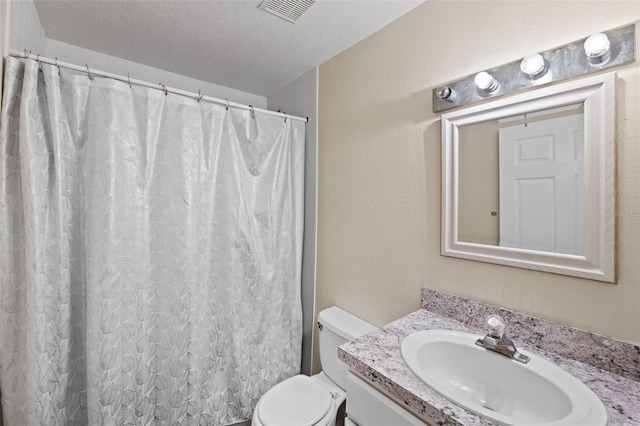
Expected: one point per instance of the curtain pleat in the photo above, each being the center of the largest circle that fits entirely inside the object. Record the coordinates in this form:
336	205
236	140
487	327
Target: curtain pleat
151	252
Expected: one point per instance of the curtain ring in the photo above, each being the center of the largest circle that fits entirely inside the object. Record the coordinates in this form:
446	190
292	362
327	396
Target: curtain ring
253	112
199	96
227	107
129	80
285	116
164	89
26	54
57	66
89	72
39	63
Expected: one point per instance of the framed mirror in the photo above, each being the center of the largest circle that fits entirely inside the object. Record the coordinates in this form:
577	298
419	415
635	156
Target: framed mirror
529	180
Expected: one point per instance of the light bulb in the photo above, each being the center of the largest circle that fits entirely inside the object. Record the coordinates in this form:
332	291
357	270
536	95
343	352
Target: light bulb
533	65
446	93
486	82
598	49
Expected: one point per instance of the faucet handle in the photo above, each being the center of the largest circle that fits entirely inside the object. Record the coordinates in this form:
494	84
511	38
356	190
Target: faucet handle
496	326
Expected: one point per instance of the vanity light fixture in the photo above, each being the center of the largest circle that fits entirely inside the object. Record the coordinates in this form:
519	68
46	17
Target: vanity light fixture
590	54
598	50
446	93
486	82
534	66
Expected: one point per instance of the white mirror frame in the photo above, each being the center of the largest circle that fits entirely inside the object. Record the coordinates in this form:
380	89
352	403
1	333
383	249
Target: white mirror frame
598	95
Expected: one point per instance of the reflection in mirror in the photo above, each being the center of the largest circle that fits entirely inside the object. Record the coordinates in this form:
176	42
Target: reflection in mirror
527	180
521	181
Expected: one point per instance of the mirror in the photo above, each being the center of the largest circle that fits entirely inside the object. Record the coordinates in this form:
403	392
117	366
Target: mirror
528	180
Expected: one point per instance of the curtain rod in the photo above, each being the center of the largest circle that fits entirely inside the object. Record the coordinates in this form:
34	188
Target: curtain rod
91	73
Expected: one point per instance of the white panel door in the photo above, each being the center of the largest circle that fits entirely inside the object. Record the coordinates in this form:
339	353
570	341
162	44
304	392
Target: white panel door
542	185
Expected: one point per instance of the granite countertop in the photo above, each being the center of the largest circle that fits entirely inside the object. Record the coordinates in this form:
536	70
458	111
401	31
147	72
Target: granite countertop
376	357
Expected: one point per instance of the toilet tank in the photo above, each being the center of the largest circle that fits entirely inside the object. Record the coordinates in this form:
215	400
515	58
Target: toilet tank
336	327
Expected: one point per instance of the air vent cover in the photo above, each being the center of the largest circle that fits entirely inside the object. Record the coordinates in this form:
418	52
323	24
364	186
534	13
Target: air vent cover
290	10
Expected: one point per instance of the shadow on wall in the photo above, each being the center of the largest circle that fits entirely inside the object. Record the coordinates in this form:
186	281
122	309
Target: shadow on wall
432	187
420	106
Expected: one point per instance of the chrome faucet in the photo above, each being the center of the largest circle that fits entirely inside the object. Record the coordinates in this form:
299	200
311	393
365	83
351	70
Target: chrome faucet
496	340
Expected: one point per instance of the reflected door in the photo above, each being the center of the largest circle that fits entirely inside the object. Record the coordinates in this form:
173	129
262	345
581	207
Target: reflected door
542	185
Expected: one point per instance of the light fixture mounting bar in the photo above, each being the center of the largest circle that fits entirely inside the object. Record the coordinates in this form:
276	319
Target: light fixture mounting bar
563	63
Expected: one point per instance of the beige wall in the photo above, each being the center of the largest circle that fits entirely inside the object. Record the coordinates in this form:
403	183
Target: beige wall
379	166
478	184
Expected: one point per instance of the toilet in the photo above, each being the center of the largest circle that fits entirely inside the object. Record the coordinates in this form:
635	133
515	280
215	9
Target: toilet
314	401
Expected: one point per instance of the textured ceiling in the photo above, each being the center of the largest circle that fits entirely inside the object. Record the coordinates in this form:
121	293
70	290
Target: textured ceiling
231	43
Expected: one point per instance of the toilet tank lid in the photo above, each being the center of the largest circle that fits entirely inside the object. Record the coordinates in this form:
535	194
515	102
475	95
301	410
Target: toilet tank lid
344	324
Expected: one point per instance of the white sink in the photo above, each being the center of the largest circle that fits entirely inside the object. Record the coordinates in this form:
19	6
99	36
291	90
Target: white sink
503	390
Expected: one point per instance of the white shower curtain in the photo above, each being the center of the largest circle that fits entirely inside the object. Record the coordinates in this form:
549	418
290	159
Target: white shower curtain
150	254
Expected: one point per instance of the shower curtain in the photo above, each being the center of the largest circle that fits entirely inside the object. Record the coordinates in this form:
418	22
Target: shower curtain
150	253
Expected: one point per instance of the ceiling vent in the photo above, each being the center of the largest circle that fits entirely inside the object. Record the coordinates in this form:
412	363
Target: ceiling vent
290	10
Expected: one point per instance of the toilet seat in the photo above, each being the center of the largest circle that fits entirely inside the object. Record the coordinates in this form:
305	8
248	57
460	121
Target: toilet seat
298	401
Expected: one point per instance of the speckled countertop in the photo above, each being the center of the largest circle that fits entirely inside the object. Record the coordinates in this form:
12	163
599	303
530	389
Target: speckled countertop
610	368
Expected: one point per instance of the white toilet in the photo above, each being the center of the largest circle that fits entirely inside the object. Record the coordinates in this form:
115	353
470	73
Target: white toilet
307	401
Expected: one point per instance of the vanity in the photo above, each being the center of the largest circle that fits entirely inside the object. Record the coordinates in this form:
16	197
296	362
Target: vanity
528	181
382	389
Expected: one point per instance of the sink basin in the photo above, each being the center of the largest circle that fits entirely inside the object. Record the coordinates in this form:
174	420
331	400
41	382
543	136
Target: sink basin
500	389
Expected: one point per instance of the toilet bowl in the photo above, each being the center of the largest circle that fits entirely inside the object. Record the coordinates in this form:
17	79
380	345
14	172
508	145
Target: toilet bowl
315	400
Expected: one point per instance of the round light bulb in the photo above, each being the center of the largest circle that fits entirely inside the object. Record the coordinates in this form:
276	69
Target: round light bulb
485	81
533	65
597	45
598	49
